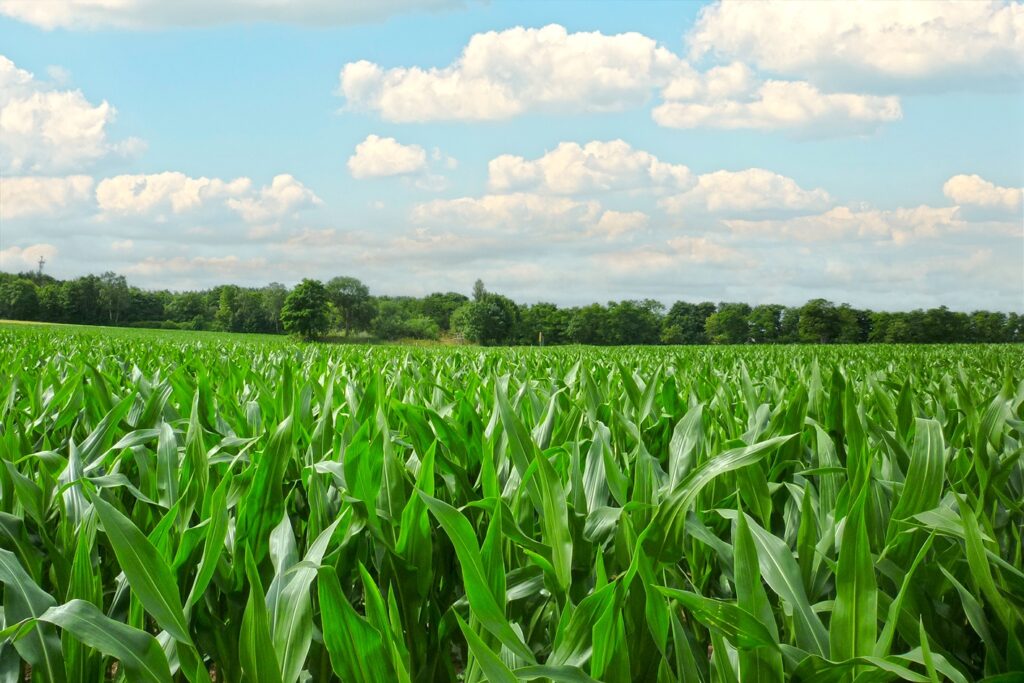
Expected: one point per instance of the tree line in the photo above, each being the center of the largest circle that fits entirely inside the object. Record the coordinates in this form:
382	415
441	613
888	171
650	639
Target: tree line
345	306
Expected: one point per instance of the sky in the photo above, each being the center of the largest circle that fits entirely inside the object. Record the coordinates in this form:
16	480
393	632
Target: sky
869	153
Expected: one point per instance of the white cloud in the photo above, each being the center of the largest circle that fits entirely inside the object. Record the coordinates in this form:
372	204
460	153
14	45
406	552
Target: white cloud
34	195
43	129
220	266
284	195
751	190
503	74
159	192
377	157
19	258
776	105
673	254
615	224
91	14
160	195
594	167
976	191
888	41
519	212
122	245
899	225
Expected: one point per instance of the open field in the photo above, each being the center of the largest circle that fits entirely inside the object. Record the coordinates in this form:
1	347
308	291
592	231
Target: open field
197	506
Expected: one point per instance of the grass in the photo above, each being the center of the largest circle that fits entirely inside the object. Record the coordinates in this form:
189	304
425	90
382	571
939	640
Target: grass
183	506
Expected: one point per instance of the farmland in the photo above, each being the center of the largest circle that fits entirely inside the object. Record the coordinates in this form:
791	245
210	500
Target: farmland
191	506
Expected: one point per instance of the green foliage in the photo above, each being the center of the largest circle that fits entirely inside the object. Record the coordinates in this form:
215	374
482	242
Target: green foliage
213	507
400	319
305	310
490	319
351	299
728	325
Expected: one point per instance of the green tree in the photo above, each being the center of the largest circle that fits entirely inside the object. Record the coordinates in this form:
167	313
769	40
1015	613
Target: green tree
305	310
543	323
400	319
766	324
114	296
491	320
684	323
589	325
224	317
479	291
987	326
19	299
852	326
819	322
440	306
729	324
635	322
274	295
352	300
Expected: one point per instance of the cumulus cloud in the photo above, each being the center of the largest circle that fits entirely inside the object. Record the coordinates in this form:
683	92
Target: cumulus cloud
751	190
613	225
973	190
886	42
377	157
25	196
45	129
160	192
285	195
501	74
899	225
220	266
675	253
775	105
594	167
161	195
20	258
519	212
132	14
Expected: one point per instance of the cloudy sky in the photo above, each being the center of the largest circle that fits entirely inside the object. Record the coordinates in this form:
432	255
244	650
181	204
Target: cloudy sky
562	151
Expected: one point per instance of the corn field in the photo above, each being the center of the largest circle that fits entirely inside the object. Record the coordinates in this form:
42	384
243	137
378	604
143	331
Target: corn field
210	508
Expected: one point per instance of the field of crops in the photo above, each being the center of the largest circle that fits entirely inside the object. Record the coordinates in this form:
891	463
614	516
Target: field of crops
200	507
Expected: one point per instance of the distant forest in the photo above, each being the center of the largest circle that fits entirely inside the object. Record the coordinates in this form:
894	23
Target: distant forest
345	306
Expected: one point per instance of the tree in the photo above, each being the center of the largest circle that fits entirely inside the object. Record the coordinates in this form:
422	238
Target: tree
729	324
852	325
274	295
399	319
305	310
114	296
478	290
766	324
819	322
987	326
352	300
439	307
83	300
19	299
190	308
543	323
491	320
684	323
226	309
589	325
635	322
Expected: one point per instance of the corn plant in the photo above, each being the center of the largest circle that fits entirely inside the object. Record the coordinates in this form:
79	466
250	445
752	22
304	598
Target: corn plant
212	508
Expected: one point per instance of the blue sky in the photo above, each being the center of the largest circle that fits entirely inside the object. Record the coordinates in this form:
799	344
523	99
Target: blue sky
560	151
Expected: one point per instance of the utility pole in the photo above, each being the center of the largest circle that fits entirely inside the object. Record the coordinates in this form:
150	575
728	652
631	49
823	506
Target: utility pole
42	262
